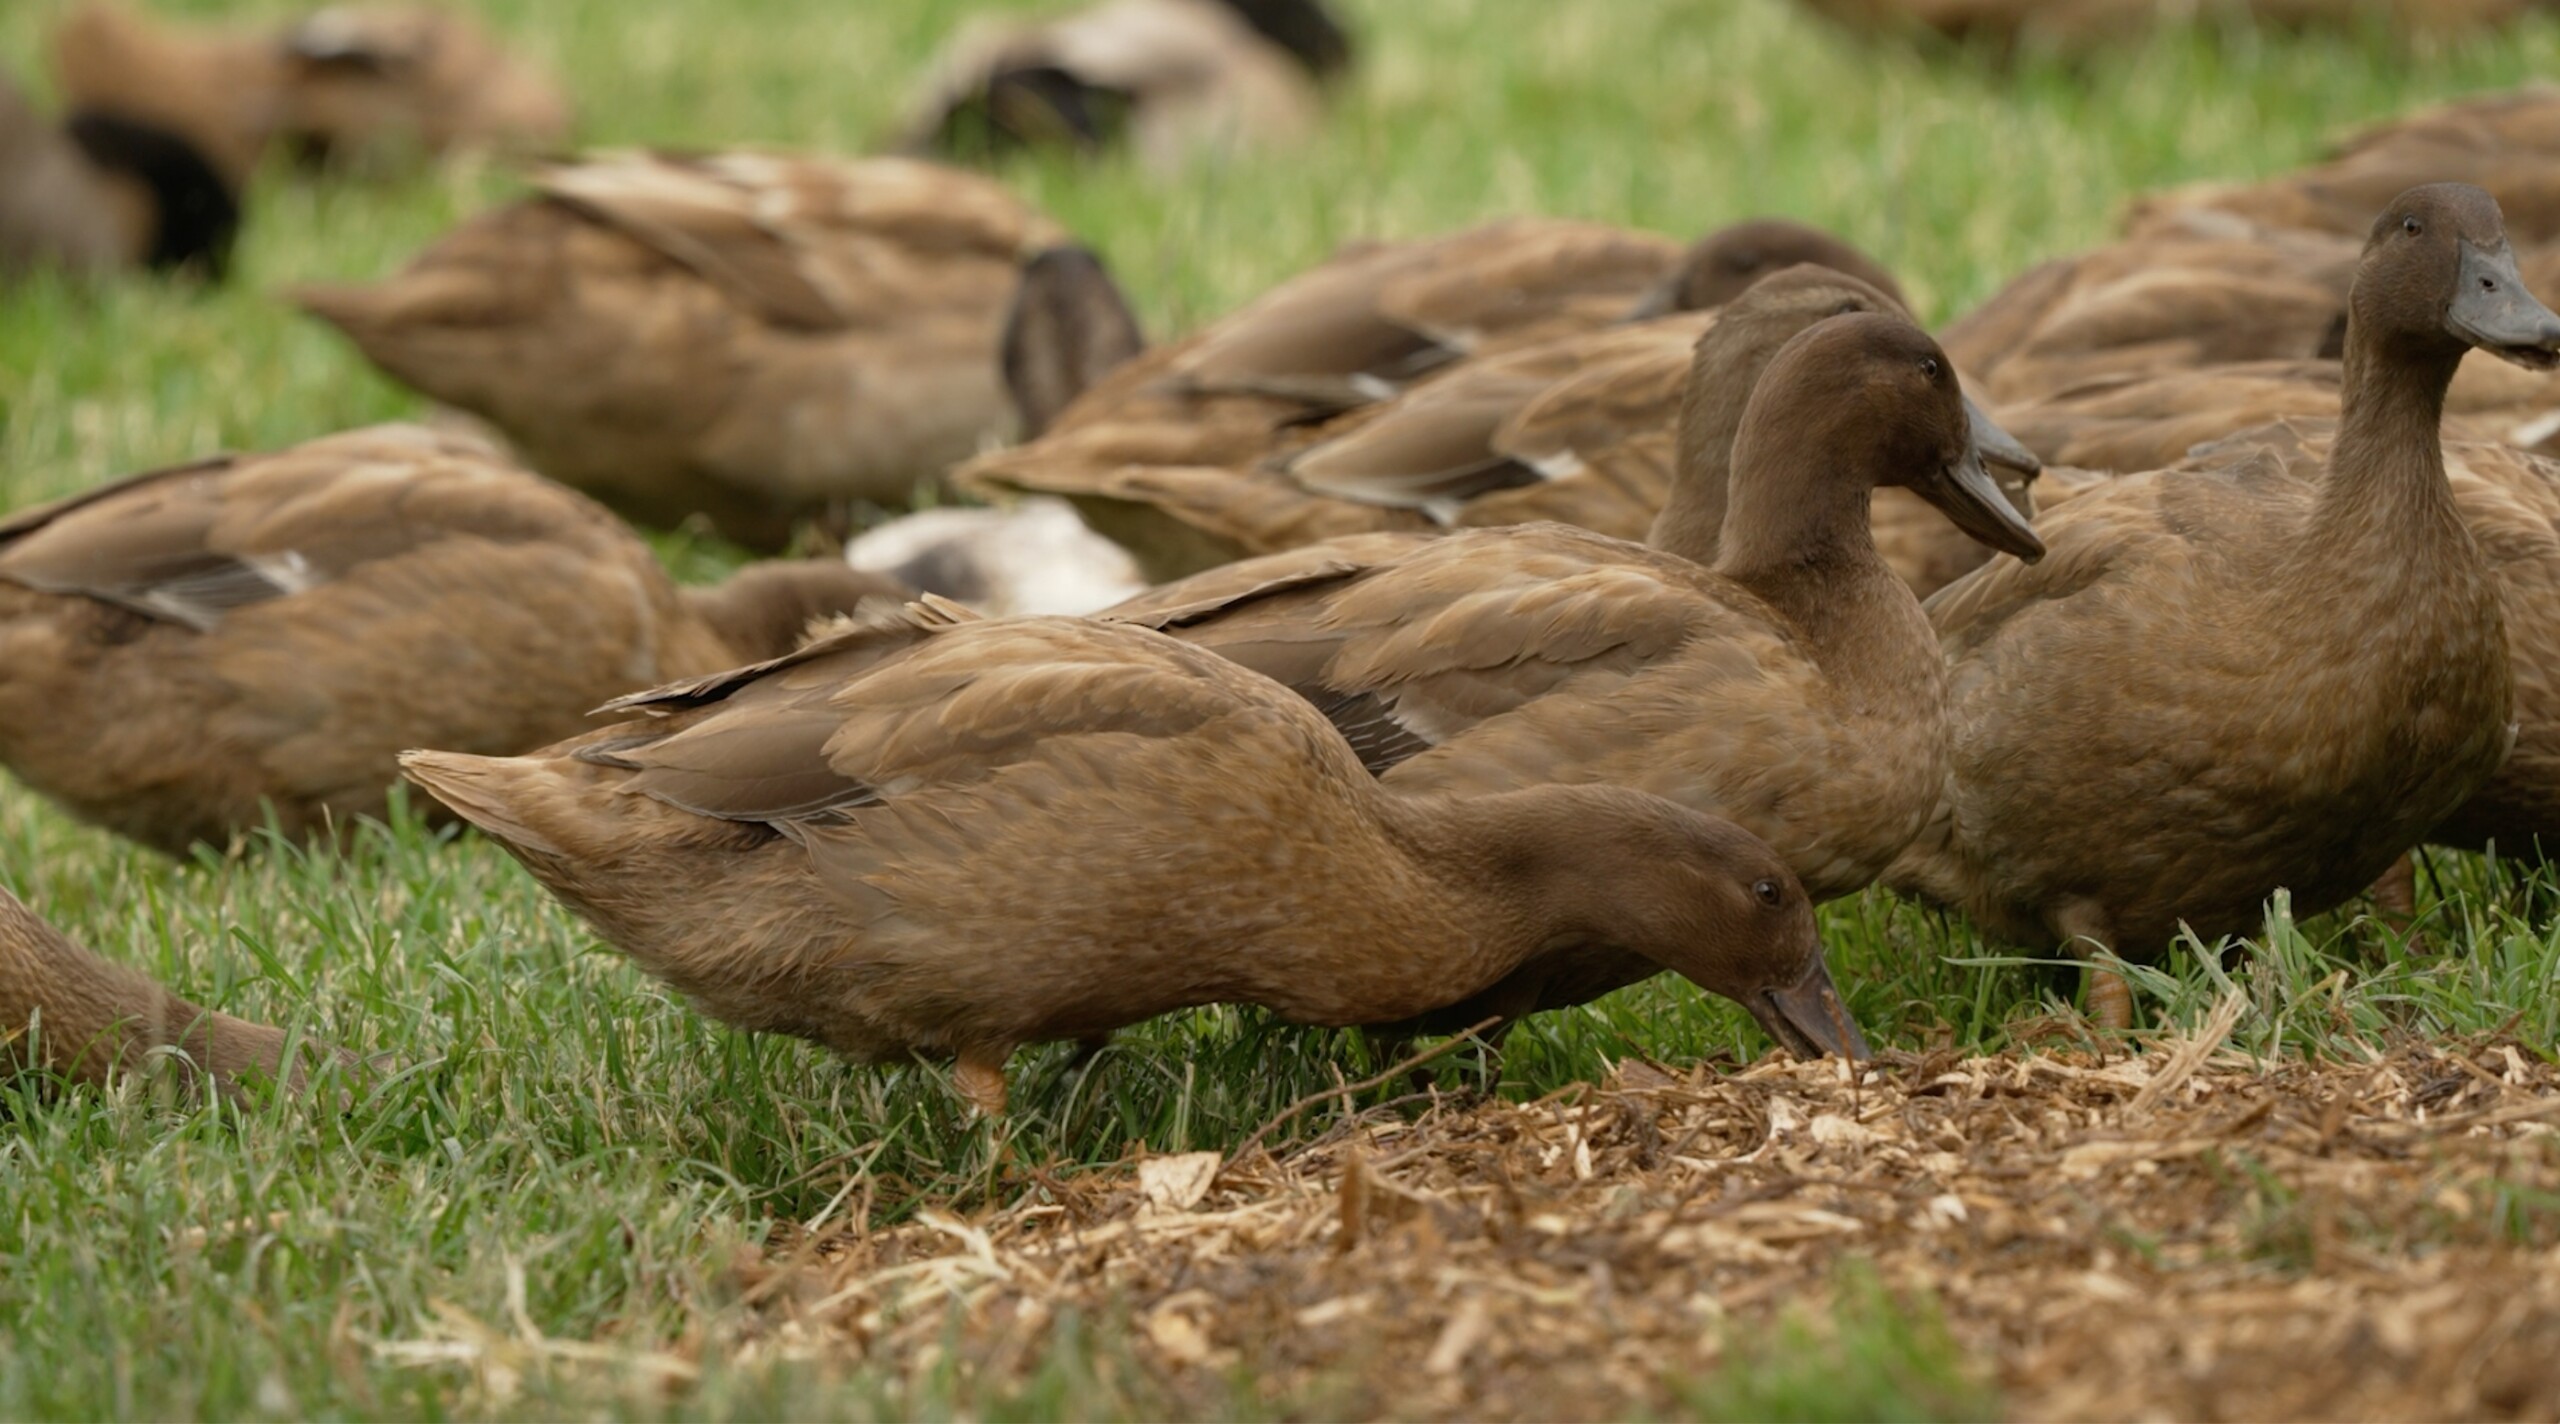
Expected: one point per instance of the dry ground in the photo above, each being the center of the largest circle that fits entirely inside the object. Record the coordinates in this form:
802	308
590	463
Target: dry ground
2174	1235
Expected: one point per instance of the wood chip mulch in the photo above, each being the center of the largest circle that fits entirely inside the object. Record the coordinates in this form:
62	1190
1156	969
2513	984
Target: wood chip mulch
2178	1233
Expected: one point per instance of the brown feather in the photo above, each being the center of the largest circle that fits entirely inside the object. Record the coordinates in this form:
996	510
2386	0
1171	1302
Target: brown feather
177	647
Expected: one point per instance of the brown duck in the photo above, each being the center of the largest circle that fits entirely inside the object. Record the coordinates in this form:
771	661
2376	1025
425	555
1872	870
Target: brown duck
935	835
1585	455
1491	349
2083	28
752	337
1176	80
2508	143
179	649
370	85
2510	501
2156	303
1582	431
2148	416
65	1010
213	87
2225	681
1793	687
101	192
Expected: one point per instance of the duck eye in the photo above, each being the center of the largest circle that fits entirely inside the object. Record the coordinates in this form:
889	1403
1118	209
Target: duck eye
1769	893
1929	367
2412	226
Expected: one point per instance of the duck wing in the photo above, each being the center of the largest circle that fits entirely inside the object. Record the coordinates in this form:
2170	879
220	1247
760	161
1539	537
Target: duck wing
192	543
804	243
1510	422
1410	652
889	707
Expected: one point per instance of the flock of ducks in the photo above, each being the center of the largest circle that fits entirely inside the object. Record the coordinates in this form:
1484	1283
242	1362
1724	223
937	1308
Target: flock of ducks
1479	623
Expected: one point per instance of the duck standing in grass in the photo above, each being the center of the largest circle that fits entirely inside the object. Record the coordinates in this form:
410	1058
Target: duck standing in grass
1793	686
185	649
2224	681
930	834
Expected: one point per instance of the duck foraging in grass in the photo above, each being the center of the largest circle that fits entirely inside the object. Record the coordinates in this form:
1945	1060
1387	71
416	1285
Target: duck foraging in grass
930	834
2230	679
1794	686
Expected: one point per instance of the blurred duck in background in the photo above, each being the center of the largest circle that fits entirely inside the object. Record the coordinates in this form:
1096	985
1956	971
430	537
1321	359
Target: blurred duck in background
160	130
755	338
372	87
98	193
1171	79
2507	143
2079	27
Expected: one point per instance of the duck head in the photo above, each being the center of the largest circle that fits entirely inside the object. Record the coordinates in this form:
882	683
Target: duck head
1732	260
1719	907
1876	397
1705	899
2438	276
1068	326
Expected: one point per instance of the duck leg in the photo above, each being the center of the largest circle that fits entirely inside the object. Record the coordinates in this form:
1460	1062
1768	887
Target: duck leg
2396	893
979	1075
2084	929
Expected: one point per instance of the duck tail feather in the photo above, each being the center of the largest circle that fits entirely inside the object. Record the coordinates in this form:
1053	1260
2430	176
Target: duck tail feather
489	792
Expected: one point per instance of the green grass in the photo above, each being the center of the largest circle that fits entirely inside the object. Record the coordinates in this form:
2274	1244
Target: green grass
1871	1357
558	1118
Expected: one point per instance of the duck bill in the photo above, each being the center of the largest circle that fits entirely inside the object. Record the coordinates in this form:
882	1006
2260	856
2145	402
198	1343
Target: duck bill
1966	493
2013	466
2492	310
1998	448
1809	1020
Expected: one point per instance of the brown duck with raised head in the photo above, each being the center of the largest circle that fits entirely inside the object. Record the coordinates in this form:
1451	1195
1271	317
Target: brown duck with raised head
932	834
1793	687
1539	404
65	1010
751	337
1610	450
181	649
2510	501
2225	681
1587	437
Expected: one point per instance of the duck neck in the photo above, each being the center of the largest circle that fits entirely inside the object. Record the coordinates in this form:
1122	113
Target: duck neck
2386	481
1801	541
1519	871
1691	524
